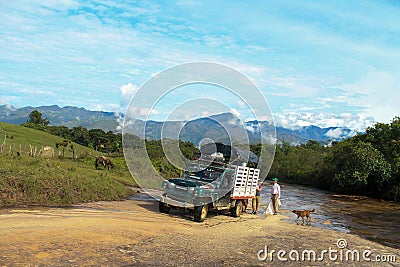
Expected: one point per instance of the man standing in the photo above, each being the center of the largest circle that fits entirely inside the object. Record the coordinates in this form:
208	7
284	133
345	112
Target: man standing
256	200
275	195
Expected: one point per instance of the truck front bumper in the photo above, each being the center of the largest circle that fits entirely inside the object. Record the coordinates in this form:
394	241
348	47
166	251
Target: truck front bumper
172	202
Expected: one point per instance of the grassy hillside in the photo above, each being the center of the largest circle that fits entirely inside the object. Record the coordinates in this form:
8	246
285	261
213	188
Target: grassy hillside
54	181
21	137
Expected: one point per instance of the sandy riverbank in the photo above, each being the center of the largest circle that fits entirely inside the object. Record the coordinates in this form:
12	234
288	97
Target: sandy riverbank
134	233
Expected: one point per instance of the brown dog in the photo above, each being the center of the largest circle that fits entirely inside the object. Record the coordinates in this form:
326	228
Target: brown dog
302	214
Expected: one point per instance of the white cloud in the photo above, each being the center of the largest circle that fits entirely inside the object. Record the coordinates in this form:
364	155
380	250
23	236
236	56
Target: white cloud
269	139
134	112
5	103
355	122
379	92
105	107
294	86
335	133
235	112
203	113
131	73
148	112
241	104
219	41
250	128
339	133
235	122
127	91
60	4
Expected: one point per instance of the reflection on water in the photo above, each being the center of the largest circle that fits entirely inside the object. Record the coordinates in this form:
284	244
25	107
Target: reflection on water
373	219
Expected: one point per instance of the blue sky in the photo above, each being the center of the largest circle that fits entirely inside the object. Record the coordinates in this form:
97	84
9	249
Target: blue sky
327	63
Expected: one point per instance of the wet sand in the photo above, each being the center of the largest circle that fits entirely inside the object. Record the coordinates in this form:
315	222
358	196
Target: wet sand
134	233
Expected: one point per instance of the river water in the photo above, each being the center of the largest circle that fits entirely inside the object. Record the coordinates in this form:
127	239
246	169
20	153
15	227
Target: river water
373	219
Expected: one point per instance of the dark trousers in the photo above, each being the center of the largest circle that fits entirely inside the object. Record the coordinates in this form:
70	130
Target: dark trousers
274	199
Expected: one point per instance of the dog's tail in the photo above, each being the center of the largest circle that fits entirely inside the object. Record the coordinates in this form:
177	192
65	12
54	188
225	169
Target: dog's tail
313	210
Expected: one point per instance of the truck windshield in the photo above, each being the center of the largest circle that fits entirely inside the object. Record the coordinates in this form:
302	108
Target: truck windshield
206	173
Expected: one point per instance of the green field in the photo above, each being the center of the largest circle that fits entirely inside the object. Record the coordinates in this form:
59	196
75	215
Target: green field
46	180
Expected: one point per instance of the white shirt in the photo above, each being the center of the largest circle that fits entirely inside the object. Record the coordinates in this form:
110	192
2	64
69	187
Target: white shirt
276	190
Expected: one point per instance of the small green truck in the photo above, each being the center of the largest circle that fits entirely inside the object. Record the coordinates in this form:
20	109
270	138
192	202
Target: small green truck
210	184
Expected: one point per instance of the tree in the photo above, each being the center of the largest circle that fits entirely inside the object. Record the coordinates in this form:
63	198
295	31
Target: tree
63	144
35	117
98	138
62	131
357	167
312	144
72	149
385	138
36	121
80	135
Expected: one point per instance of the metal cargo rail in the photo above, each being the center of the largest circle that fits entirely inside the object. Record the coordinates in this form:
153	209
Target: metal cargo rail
246	180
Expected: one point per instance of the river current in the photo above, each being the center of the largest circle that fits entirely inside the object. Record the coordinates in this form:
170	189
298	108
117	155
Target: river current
374	219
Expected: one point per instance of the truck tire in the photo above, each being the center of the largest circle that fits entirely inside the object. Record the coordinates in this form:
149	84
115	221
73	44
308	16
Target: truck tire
200	213
163	207
237	210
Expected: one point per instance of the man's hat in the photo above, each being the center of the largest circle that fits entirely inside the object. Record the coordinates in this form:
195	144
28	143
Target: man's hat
275	179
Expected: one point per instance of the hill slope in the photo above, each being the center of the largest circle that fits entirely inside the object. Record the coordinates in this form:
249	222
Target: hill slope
18	136
26	180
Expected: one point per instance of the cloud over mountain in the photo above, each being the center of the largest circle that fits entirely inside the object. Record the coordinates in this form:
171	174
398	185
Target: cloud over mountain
355	122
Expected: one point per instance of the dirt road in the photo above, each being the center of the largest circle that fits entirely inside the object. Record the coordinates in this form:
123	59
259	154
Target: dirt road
134	233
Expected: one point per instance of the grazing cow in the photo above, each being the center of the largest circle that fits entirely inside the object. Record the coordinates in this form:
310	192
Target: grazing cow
106	162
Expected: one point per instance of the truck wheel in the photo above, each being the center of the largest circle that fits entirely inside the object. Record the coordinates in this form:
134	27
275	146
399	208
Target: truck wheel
163	207
237	210
200	213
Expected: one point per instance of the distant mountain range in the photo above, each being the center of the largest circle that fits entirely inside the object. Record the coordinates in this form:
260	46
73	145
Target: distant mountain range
67	116
215	127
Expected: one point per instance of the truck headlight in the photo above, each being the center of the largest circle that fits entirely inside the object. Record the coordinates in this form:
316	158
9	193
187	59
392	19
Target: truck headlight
198	192
171	185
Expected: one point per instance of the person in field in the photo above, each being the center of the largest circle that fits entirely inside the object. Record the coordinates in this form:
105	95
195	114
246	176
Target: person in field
257	199
275	195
